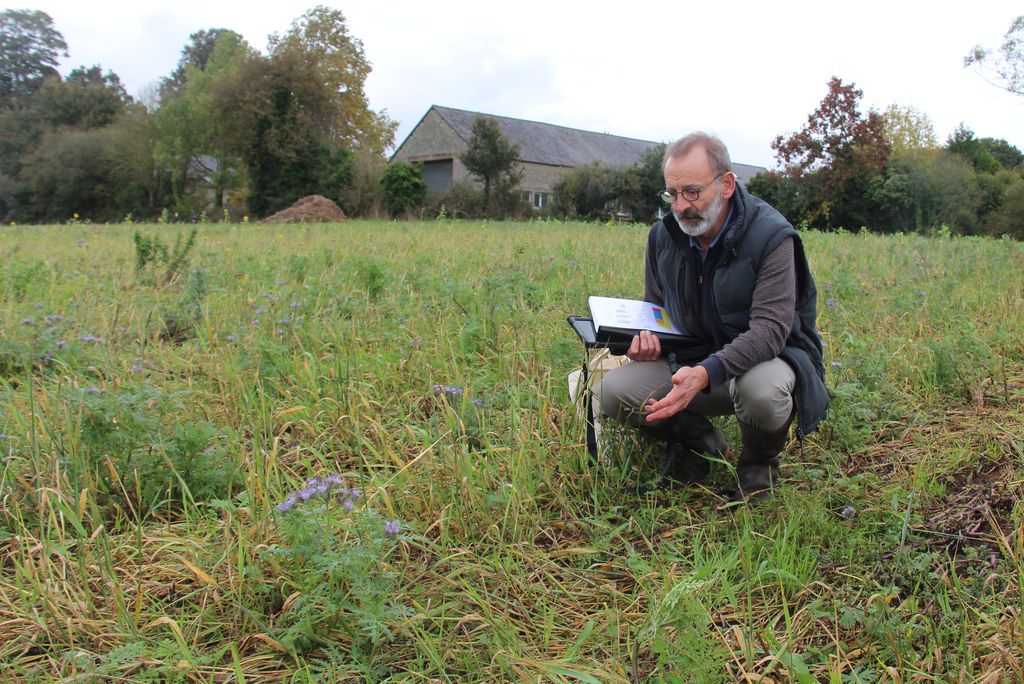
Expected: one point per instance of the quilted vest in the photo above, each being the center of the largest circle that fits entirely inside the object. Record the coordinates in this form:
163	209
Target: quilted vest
755	230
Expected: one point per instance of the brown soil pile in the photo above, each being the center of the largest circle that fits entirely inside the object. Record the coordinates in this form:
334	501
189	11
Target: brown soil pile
309	209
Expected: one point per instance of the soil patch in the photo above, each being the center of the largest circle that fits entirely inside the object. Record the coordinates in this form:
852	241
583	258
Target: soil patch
309	209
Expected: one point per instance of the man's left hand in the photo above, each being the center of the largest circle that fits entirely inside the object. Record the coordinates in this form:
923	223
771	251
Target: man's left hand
686	383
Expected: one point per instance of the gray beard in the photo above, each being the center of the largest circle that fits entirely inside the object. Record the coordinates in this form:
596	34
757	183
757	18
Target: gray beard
705	221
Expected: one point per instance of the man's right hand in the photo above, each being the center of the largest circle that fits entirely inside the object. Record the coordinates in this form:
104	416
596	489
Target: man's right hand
645	347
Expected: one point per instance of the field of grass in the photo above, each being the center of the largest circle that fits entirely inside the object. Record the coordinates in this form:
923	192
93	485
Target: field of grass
346	453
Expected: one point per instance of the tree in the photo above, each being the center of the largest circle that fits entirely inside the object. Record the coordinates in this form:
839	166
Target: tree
364	193
404	187
641	184
840	152
491	158
68	175
1006	64
195	54
1009	156
337	109
30	50
962	142
304	111
908	129
587	191
201	139
88	98
1009	218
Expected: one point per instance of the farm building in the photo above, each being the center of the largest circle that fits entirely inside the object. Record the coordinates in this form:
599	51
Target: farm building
547	151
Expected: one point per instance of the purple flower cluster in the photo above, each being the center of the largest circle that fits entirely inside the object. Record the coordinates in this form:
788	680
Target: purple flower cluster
317	487
90	338
392	527
450	390
831	303
455	393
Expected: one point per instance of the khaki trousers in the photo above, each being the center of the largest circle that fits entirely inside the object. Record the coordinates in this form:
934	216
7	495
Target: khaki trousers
762	397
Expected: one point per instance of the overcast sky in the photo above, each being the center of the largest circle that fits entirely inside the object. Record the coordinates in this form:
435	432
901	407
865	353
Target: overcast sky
747	71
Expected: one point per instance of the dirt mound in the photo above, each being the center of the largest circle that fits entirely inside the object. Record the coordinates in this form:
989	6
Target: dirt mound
309	209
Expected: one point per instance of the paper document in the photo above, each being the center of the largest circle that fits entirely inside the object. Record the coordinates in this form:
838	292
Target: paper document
630	314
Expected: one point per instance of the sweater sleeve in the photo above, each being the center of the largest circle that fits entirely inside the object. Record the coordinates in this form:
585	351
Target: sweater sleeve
772	311
652	288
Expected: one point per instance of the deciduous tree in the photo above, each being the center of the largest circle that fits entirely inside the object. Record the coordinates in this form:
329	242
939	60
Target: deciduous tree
491	158
839	150
30	50
907	129
1003	66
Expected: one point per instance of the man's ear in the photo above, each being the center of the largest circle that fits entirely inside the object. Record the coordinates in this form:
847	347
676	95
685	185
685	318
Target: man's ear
728	184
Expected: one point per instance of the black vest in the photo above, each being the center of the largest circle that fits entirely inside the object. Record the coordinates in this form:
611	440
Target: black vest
755	230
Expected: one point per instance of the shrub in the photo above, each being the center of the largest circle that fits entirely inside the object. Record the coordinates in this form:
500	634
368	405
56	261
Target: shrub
404	187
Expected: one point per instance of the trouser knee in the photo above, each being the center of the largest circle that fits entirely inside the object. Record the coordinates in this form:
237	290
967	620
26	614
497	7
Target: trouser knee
763	396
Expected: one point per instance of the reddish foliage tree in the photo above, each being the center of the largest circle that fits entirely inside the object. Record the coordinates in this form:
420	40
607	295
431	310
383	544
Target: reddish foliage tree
837	153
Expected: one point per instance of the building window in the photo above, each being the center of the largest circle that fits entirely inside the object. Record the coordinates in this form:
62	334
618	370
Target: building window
526	196
541	199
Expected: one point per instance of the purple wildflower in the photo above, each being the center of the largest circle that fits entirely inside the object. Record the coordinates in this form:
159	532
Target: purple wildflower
39	305
284	321
260	311
348	504
450	390
230	338
3	436
328	310
837	364
28	320
293	305
392	527
53	318
831	303
137	368
280	281
89	338
61	343
314	487
478	402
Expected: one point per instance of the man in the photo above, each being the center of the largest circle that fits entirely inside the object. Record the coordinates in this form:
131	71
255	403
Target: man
732	273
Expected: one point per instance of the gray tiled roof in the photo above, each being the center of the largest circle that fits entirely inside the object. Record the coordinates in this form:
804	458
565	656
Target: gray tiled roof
543	143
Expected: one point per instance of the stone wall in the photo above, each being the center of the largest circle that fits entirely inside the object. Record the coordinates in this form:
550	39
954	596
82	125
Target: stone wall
434	139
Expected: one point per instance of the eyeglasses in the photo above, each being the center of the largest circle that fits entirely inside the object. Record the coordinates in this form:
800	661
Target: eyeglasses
689	194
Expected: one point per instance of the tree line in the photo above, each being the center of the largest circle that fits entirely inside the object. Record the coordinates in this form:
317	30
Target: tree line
231	130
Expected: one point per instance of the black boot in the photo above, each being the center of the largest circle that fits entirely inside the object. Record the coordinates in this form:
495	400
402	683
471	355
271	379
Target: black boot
688	436
758	464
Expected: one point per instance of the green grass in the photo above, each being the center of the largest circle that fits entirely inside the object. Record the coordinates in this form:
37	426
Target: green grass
150	429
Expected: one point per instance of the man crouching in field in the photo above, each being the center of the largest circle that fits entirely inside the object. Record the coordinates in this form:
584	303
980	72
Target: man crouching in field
731	271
